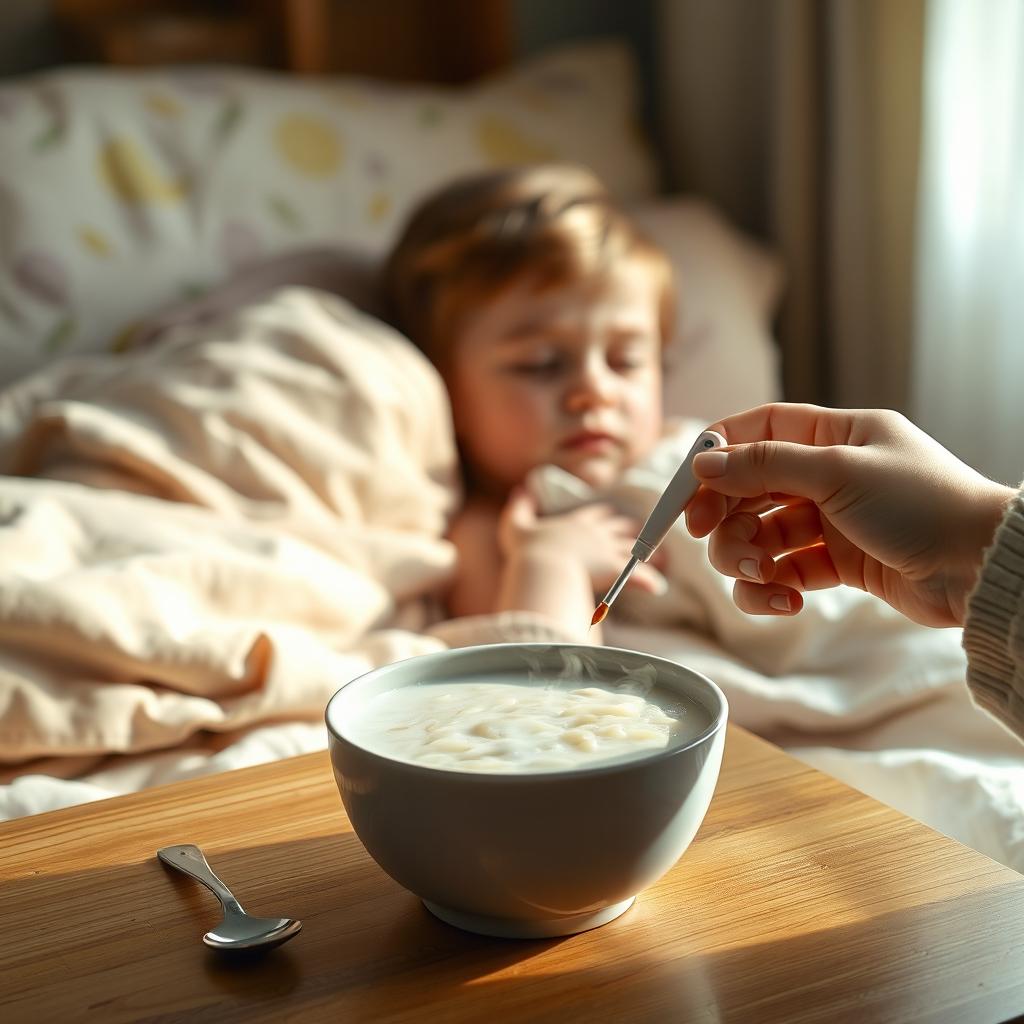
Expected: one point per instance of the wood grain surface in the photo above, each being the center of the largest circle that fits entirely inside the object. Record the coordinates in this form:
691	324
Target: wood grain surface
799	900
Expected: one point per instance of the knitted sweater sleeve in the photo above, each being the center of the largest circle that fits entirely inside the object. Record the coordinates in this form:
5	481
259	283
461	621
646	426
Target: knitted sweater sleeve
994	630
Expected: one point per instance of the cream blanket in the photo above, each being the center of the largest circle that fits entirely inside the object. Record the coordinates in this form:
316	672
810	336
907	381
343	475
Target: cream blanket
200	542
213	535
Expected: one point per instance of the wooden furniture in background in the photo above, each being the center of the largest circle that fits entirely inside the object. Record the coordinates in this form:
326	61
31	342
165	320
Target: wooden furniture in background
800	900
138	33
424	40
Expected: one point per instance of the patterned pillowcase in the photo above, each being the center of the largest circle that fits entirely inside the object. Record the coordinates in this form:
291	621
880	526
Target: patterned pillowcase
123	191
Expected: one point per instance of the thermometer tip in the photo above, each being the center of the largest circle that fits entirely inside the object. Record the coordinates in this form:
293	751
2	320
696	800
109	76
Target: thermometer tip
600	612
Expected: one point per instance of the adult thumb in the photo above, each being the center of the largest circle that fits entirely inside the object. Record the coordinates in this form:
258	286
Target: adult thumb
775	467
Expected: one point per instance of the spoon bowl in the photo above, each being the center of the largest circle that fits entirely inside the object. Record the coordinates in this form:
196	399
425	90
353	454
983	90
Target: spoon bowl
237	929
247	932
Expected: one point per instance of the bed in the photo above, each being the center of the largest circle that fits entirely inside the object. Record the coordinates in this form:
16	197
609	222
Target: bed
225	481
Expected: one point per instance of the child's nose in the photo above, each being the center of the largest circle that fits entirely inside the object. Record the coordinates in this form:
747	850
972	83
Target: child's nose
594	385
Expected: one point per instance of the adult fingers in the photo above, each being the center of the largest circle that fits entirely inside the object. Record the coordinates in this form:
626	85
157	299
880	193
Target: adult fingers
810	568
771	599
746	545
807	569
792	421
708	508
764	468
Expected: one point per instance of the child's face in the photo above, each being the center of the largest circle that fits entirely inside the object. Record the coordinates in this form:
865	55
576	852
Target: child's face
569	376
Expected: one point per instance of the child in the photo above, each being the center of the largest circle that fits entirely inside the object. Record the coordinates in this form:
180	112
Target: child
546	312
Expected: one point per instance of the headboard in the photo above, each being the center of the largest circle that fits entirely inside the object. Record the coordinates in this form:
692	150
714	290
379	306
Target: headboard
410	40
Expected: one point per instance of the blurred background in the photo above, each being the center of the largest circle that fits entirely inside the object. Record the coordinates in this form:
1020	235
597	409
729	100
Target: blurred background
876	147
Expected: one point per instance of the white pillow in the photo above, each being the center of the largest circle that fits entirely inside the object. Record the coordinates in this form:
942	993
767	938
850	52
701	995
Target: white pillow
723	358
121	191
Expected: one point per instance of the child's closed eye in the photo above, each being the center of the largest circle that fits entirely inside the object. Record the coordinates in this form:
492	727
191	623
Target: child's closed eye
540	365
638	357
635	362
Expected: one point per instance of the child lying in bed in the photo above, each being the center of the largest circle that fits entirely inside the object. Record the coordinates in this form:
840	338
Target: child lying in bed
545	311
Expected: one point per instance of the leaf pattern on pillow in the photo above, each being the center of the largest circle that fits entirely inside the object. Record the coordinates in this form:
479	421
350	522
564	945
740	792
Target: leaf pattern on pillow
95	241
309	145
228	120
43	276
380	206
285	212
163	105
128	171
126	338
501	142
52	135
62	333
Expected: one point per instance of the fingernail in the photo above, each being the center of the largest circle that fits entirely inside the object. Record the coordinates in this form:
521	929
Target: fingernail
749	568
711	463
660	586
780	602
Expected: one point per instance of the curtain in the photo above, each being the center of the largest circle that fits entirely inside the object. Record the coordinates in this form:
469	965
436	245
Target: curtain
801	120
968	380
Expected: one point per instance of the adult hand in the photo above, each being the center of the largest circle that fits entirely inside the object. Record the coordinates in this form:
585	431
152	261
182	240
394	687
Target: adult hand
805	497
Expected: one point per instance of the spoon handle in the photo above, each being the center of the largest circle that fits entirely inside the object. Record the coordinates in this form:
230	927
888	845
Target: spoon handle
189	860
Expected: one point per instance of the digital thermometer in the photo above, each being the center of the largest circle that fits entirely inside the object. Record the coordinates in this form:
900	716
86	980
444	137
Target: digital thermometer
668	509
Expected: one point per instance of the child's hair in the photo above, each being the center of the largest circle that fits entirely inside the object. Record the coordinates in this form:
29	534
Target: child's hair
550	224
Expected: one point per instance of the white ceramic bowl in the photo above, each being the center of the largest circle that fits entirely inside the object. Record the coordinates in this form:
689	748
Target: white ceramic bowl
537	854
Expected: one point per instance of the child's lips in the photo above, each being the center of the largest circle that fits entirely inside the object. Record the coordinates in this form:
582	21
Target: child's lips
590	441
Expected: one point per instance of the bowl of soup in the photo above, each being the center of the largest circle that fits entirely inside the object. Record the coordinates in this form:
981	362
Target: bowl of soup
527	790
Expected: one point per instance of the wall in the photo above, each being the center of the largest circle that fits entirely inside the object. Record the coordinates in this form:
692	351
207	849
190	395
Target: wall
714	63
540	24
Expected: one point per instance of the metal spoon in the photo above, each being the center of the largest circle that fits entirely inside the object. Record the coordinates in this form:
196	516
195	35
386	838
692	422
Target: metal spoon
237	930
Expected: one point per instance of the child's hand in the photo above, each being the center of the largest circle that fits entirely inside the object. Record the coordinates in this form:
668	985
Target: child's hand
595	536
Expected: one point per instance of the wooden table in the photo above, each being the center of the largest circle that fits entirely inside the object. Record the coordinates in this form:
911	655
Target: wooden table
800	900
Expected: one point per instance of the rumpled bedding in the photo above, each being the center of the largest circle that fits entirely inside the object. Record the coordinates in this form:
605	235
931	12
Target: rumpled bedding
202	540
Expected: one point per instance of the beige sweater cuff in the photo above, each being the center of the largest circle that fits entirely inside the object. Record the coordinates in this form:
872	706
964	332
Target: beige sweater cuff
994	630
